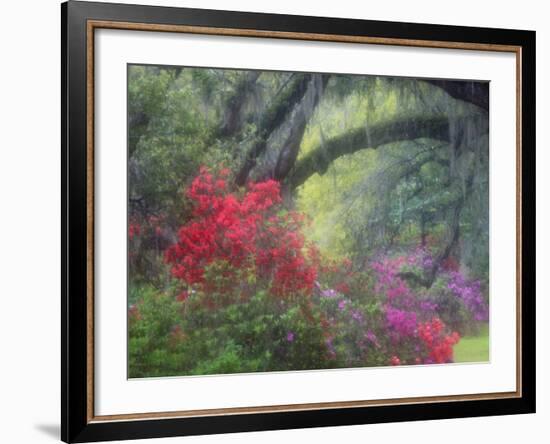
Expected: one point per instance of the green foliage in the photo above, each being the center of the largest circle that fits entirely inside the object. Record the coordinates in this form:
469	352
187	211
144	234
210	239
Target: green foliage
152	319
174	338
171	125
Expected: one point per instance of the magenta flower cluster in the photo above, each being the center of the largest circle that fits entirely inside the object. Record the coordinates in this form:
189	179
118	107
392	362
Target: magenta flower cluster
409	323
470	294
401	321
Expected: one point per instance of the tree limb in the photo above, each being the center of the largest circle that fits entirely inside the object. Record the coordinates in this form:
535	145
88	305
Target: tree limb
476	93
233	118
271	120
319	159
289	153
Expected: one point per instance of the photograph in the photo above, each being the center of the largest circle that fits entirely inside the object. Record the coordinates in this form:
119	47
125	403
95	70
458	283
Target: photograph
289	221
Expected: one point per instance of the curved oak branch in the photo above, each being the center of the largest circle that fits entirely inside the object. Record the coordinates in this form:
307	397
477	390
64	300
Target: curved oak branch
438	128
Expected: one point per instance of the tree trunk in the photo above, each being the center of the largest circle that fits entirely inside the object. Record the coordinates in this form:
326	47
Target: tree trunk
274	116
233	116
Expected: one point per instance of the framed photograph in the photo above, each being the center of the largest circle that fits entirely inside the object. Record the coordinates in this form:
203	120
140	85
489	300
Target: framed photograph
276	221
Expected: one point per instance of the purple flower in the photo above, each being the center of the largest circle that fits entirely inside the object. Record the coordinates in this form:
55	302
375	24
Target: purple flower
342	304
329	293
470	294
290	336
357	316
372	338
402	322
427	261
330	347
428	306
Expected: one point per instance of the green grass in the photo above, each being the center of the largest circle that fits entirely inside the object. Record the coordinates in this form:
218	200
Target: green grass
473	348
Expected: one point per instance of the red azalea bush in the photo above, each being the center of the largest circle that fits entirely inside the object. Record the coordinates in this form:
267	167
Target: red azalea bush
438	344
250	233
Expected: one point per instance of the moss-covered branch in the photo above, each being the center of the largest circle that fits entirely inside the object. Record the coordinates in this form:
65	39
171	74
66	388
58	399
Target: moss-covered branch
476	93
233	115
319	159
273	117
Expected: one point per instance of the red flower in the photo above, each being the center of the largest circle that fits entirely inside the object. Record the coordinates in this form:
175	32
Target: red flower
395	360
440	346
133	313
182	296
134	230
247	232
450	264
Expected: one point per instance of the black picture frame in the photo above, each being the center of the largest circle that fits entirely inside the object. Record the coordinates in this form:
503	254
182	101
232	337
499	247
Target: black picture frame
76	423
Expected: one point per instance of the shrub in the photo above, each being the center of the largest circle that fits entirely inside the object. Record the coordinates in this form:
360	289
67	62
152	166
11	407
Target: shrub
248	234
248	293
